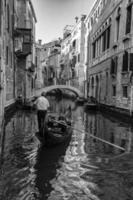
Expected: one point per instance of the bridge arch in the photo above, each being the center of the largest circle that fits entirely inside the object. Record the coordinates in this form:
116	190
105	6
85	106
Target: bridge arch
67	87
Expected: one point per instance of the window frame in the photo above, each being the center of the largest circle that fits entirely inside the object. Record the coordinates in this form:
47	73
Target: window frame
126	91
114	90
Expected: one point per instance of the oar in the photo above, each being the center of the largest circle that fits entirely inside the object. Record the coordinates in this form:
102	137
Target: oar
105	141
97	138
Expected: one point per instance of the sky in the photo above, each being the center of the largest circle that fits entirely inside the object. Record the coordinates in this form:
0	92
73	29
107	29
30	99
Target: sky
54	15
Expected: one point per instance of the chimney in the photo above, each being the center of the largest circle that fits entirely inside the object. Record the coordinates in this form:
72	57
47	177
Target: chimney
40	42
83	17
76	18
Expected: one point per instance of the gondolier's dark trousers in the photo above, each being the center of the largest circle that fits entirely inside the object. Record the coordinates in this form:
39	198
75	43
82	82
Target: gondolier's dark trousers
41	115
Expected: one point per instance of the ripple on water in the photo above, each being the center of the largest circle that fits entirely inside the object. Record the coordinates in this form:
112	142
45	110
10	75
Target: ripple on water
83	169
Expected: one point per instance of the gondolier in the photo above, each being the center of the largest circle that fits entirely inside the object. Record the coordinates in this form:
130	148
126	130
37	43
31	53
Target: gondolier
42	105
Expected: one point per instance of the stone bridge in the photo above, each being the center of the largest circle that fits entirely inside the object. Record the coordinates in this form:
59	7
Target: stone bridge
66	87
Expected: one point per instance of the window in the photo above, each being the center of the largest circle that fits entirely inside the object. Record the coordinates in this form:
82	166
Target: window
118	23
91	21
11	55
129	19
114	63
73	73
7	55
125	61
125	91
32	83
79	57
114	90
74	44
0	15
117	27
8	18
74	61
94	50
104	41
112	71
36	60
131	62
27	38
108	37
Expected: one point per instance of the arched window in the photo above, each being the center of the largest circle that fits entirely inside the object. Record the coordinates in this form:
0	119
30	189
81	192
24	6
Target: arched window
125	61
118	23
129	17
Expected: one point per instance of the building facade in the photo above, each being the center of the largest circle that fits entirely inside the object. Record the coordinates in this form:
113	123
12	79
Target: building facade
39	66
51	62
72	54
2	60
24	47
7	57
109	53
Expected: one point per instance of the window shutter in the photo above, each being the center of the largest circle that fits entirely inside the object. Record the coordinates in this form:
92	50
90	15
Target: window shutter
129	17
116	63
94	49
74	61
131	62
108	37
125	61
112	66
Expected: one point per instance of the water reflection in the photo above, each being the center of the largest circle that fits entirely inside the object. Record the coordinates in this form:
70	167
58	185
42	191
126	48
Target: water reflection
47	164
68	183
84	168
109	130
18	155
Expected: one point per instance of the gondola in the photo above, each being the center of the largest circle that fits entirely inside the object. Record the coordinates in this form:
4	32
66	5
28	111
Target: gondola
91	104
57	130
80	100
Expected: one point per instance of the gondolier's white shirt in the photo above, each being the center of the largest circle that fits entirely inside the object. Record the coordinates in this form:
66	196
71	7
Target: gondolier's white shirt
42	103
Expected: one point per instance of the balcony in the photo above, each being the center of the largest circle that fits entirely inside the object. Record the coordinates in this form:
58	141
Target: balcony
23	42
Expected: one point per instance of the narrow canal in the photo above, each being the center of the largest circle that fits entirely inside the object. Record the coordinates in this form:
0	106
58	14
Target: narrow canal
84	169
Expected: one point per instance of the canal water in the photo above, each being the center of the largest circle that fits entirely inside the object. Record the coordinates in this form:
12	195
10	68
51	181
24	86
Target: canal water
83	169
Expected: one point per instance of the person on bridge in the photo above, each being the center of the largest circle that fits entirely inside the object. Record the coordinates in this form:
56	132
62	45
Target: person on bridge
42	105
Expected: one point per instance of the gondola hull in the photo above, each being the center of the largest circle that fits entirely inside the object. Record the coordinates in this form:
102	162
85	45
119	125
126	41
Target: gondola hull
53	138
91	106
55	135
